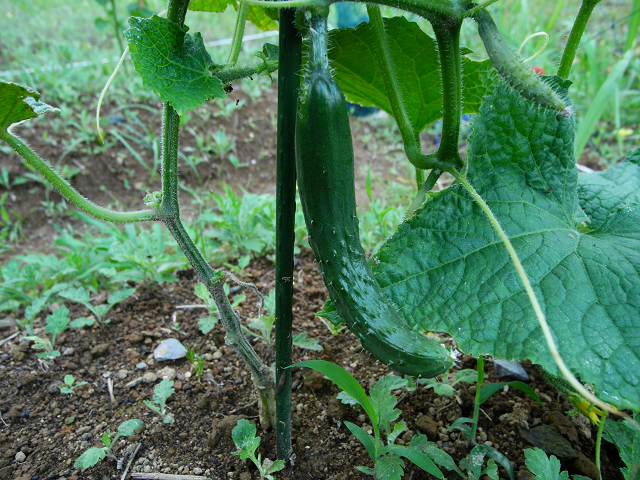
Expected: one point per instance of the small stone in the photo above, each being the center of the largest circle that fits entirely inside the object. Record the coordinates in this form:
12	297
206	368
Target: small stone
106	374
100	349
135	382
68	351
217	354
505	368
167	372
53	388
20	457
583	466
149	377
314	380
197	471
170	349
141	366
177	385
548	439
122	374
428	426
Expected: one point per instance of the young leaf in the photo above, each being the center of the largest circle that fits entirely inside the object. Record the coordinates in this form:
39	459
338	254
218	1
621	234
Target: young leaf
163	391
120	295
58	321
389	467
384	403
626	438
18	103
431	450
529	179
244	436
89	458
417	457
82	322
206	324
128	427
78	295
300	340
345	381
490	388
367	440
545	468
172	63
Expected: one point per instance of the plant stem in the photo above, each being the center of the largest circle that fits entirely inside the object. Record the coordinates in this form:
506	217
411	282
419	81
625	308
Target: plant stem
599	443
410	138
566	373
71	193
114	17
170	214
573	42
447	32
241	20
476	404
290	48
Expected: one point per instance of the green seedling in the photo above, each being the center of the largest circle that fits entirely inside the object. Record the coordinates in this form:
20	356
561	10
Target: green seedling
445	386
93	455
206	324
244	436
379	405
161	393
30	313
80	295
69	387
57	323
547	468
468	426
197	361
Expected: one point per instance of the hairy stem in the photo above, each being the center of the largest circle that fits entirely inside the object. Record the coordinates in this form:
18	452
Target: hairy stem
241	20
71	193
573	42
170	214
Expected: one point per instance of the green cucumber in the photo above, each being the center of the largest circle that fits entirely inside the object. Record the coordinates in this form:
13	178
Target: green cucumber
517	75
325	169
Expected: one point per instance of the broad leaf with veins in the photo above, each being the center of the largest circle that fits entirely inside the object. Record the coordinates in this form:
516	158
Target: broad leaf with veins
578	239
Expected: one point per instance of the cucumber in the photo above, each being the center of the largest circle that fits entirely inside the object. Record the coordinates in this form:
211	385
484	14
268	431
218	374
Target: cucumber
325	169
517	75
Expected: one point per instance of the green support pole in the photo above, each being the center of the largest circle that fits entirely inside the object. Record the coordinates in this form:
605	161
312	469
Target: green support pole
288	83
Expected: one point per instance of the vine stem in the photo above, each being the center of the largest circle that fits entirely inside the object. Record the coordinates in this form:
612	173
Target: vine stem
566	373
71	193
476	403
238	33
410	138
599	443
573	42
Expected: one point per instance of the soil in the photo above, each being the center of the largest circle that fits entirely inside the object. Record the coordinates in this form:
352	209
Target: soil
43	431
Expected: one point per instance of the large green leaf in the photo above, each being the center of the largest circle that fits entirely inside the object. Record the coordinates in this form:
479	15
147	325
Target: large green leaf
263	18
446	268
172	63
416	61
18	103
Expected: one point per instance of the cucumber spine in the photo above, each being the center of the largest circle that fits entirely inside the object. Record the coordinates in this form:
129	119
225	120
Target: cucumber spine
325	169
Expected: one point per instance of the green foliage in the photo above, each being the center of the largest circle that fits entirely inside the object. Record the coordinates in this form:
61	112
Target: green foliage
244	437
161	394
69	387
93	455
445	386
57	323
415	55
380	407
571	250
544	467
80	295
626	437
197	361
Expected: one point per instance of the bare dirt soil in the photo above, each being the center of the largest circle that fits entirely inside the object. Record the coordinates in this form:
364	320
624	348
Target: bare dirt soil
43	431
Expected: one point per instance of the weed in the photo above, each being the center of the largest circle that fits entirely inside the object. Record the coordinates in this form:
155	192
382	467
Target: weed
93	455
68	388
244	436
160	396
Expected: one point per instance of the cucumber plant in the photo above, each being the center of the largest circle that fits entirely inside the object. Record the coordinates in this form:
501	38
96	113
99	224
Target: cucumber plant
521	258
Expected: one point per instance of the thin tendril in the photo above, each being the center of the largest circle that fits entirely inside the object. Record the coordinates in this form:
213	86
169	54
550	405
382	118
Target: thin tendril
534	35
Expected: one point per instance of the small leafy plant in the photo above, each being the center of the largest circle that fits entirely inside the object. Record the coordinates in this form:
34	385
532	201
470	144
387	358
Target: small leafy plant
57	323
93	455
80	295
380	407
69	387
546	468
197	361
244	436
161	394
